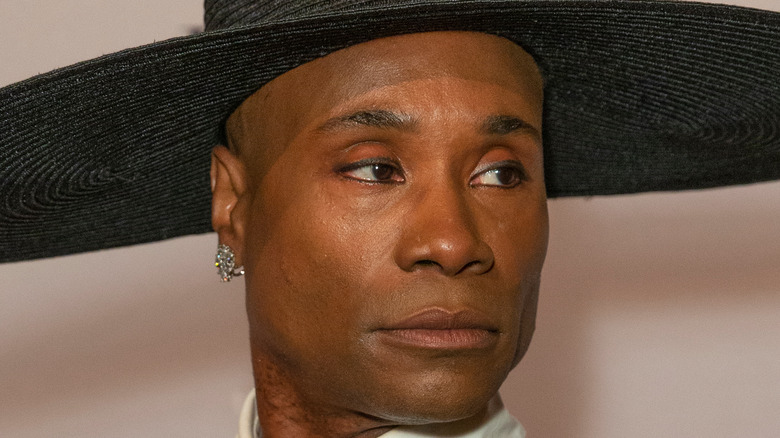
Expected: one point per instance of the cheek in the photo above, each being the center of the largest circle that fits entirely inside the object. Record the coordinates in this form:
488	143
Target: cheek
314	270
519	240
528	252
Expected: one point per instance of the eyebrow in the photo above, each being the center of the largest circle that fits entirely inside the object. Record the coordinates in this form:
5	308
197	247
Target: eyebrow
371	118
385	119
505	125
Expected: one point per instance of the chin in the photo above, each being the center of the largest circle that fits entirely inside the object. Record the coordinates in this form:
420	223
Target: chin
441	399
437	410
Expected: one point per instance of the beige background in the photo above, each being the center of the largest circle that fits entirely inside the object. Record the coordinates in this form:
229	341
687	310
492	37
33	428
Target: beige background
659	316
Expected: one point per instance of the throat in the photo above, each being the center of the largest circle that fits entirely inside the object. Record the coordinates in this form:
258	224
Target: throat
283	412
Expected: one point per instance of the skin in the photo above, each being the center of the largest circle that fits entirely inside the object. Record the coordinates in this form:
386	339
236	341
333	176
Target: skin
393	177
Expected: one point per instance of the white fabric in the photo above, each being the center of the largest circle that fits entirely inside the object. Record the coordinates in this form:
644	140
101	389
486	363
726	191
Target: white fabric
500	424
248	423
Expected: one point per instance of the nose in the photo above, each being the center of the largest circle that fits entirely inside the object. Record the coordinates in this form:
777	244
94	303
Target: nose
440	233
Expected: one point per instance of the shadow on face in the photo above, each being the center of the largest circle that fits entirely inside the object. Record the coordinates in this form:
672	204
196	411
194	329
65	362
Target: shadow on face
388	203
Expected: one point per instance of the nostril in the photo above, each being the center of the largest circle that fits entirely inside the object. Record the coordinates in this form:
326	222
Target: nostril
468	265
478	266
426	263
474	265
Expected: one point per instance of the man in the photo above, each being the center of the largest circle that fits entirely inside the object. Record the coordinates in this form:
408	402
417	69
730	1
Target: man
392	219
520	171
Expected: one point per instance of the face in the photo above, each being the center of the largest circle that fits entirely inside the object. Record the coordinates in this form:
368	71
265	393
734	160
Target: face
388	204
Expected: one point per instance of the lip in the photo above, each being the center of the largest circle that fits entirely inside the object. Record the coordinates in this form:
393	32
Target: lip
440	329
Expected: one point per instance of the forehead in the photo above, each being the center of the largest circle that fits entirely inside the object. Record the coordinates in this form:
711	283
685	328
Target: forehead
467	55
310	92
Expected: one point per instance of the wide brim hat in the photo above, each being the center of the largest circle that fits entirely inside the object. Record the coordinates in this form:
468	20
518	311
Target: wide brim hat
639	96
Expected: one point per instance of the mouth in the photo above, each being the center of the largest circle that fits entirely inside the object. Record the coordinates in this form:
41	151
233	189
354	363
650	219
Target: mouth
440	329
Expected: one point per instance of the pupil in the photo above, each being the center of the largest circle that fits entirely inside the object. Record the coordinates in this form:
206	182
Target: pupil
505	176
382	171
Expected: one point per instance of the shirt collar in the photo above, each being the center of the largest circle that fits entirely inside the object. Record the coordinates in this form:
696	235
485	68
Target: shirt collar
499	423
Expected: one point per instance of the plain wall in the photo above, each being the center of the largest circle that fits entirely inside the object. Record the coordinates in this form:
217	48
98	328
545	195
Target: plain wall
659	313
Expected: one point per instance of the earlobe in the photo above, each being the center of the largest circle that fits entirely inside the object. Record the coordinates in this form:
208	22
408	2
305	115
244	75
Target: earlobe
228	199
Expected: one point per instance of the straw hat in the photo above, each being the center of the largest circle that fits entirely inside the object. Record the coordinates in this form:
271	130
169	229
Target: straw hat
640	96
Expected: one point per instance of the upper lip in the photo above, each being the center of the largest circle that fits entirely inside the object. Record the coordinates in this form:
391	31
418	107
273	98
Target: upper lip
441	319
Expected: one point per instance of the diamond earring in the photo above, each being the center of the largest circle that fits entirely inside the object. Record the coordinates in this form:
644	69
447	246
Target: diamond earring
226	263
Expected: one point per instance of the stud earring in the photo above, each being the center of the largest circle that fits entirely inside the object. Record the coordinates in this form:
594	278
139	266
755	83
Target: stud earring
226	263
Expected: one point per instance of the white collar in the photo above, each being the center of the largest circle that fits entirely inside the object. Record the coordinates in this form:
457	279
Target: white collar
500	424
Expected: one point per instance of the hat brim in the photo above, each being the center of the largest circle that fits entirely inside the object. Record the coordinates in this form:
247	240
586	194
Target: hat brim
640	96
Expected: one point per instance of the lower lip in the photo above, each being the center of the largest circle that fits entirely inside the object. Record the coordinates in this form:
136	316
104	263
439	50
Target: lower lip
445	339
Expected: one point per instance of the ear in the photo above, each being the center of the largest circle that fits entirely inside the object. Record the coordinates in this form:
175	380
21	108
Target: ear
229	199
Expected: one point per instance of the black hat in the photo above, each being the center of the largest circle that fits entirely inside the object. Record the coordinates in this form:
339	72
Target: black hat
640	96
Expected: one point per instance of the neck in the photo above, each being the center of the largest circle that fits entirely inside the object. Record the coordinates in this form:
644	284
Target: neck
284	412
286	407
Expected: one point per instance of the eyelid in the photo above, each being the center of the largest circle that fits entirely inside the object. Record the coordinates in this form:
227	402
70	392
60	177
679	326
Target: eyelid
515	164
367	162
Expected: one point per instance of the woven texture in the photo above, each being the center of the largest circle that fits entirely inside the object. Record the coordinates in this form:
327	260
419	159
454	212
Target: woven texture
640	96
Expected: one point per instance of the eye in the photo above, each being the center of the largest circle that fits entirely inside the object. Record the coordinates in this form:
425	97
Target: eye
373	170
504	174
